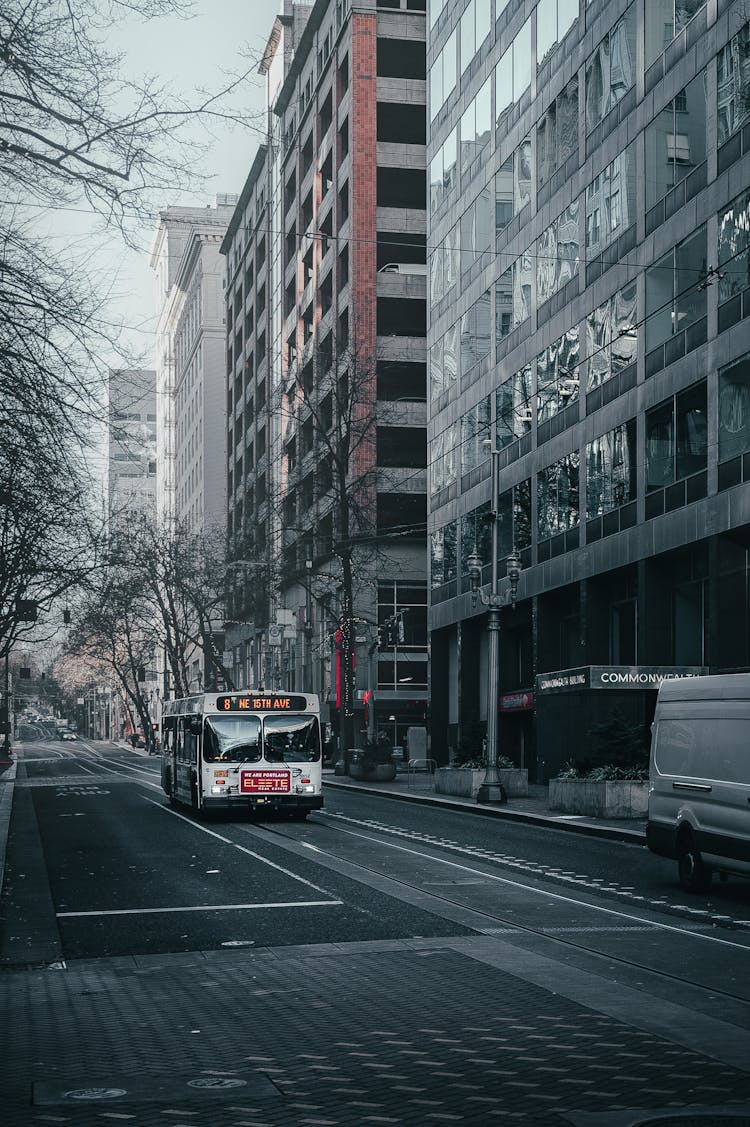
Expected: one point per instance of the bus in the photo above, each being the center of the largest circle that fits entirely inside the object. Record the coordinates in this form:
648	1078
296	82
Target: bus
252	750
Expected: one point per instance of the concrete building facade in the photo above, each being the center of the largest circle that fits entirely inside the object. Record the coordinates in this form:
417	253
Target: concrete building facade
326	289
131	444
588	322
190	341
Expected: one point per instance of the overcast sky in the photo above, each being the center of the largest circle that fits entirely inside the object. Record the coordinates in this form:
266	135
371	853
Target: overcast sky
188	54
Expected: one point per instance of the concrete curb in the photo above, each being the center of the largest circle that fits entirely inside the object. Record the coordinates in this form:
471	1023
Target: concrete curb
613	833
7	786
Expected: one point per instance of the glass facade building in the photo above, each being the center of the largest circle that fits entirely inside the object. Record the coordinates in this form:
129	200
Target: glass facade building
610	142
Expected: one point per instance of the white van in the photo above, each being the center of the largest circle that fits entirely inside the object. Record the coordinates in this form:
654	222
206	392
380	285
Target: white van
699	779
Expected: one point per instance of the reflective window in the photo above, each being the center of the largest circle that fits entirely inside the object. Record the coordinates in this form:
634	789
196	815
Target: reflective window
513	185
513	72
554	19
675	299
475	435
444	363
475	333
558	251
476	24
733	84
513	407
436	7
443	76
523	282
504	305
734	247
676	140
610	72
557	496
610	202
676	437
443	554
443	172
557	379
444	266
664	20
443	459
611	470
476	535
476	126
477	228
612	336
734	408
557	133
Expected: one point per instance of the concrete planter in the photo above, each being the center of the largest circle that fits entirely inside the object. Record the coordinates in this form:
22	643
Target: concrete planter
464	782
614	799
377	773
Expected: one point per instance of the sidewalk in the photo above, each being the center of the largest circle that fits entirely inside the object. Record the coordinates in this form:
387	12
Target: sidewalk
418	786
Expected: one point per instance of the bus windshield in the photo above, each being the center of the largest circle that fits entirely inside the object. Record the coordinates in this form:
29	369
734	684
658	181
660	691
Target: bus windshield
291	739
232	739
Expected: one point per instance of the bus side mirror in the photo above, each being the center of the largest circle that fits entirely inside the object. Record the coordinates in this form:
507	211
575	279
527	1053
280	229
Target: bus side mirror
195	726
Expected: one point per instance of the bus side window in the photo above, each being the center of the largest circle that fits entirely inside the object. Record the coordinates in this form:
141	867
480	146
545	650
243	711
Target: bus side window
168	736
181	739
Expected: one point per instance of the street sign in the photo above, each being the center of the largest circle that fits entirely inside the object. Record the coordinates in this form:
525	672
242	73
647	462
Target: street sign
275	634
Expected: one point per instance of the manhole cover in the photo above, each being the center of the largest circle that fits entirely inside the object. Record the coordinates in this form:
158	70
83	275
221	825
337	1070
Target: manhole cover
95	1093
216	1082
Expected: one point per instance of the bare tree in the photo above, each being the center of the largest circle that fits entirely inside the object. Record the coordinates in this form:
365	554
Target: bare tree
339	411
181	576
74	133
114	629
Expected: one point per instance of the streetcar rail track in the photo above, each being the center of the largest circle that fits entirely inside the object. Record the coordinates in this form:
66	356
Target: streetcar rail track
562	936
554	935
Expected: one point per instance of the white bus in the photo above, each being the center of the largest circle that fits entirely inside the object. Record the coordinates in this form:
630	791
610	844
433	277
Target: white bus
251	750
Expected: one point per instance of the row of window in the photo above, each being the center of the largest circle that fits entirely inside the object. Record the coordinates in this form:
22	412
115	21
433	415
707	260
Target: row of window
610	70
676	448
675	141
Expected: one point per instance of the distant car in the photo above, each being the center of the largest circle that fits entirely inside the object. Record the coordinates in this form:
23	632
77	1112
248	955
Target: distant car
69	736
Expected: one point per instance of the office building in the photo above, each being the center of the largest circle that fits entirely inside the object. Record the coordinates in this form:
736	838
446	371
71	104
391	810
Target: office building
131	445
588	238
326	306
190	340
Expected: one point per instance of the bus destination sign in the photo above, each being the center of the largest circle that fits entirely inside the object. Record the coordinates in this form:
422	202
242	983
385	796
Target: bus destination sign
261	702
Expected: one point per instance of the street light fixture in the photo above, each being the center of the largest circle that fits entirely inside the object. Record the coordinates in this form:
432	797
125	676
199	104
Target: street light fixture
491	789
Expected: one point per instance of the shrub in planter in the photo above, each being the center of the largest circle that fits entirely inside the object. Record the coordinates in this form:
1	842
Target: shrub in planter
374	761
464	777
608	791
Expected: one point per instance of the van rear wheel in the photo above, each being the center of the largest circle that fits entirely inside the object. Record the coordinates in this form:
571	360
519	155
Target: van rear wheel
694	875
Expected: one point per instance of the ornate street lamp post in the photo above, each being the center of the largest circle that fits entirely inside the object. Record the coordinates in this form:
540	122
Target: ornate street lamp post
491	789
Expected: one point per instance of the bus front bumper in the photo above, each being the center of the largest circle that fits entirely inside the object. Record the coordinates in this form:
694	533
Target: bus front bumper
271	803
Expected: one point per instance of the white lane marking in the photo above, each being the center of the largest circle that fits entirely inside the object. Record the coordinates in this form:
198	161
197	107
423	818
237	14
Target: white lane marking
242	848
207	908
567	876
545	892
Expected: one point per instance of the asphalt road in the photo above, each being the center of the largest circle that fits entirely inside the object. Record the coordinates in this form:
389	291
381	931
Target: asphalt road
384	962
